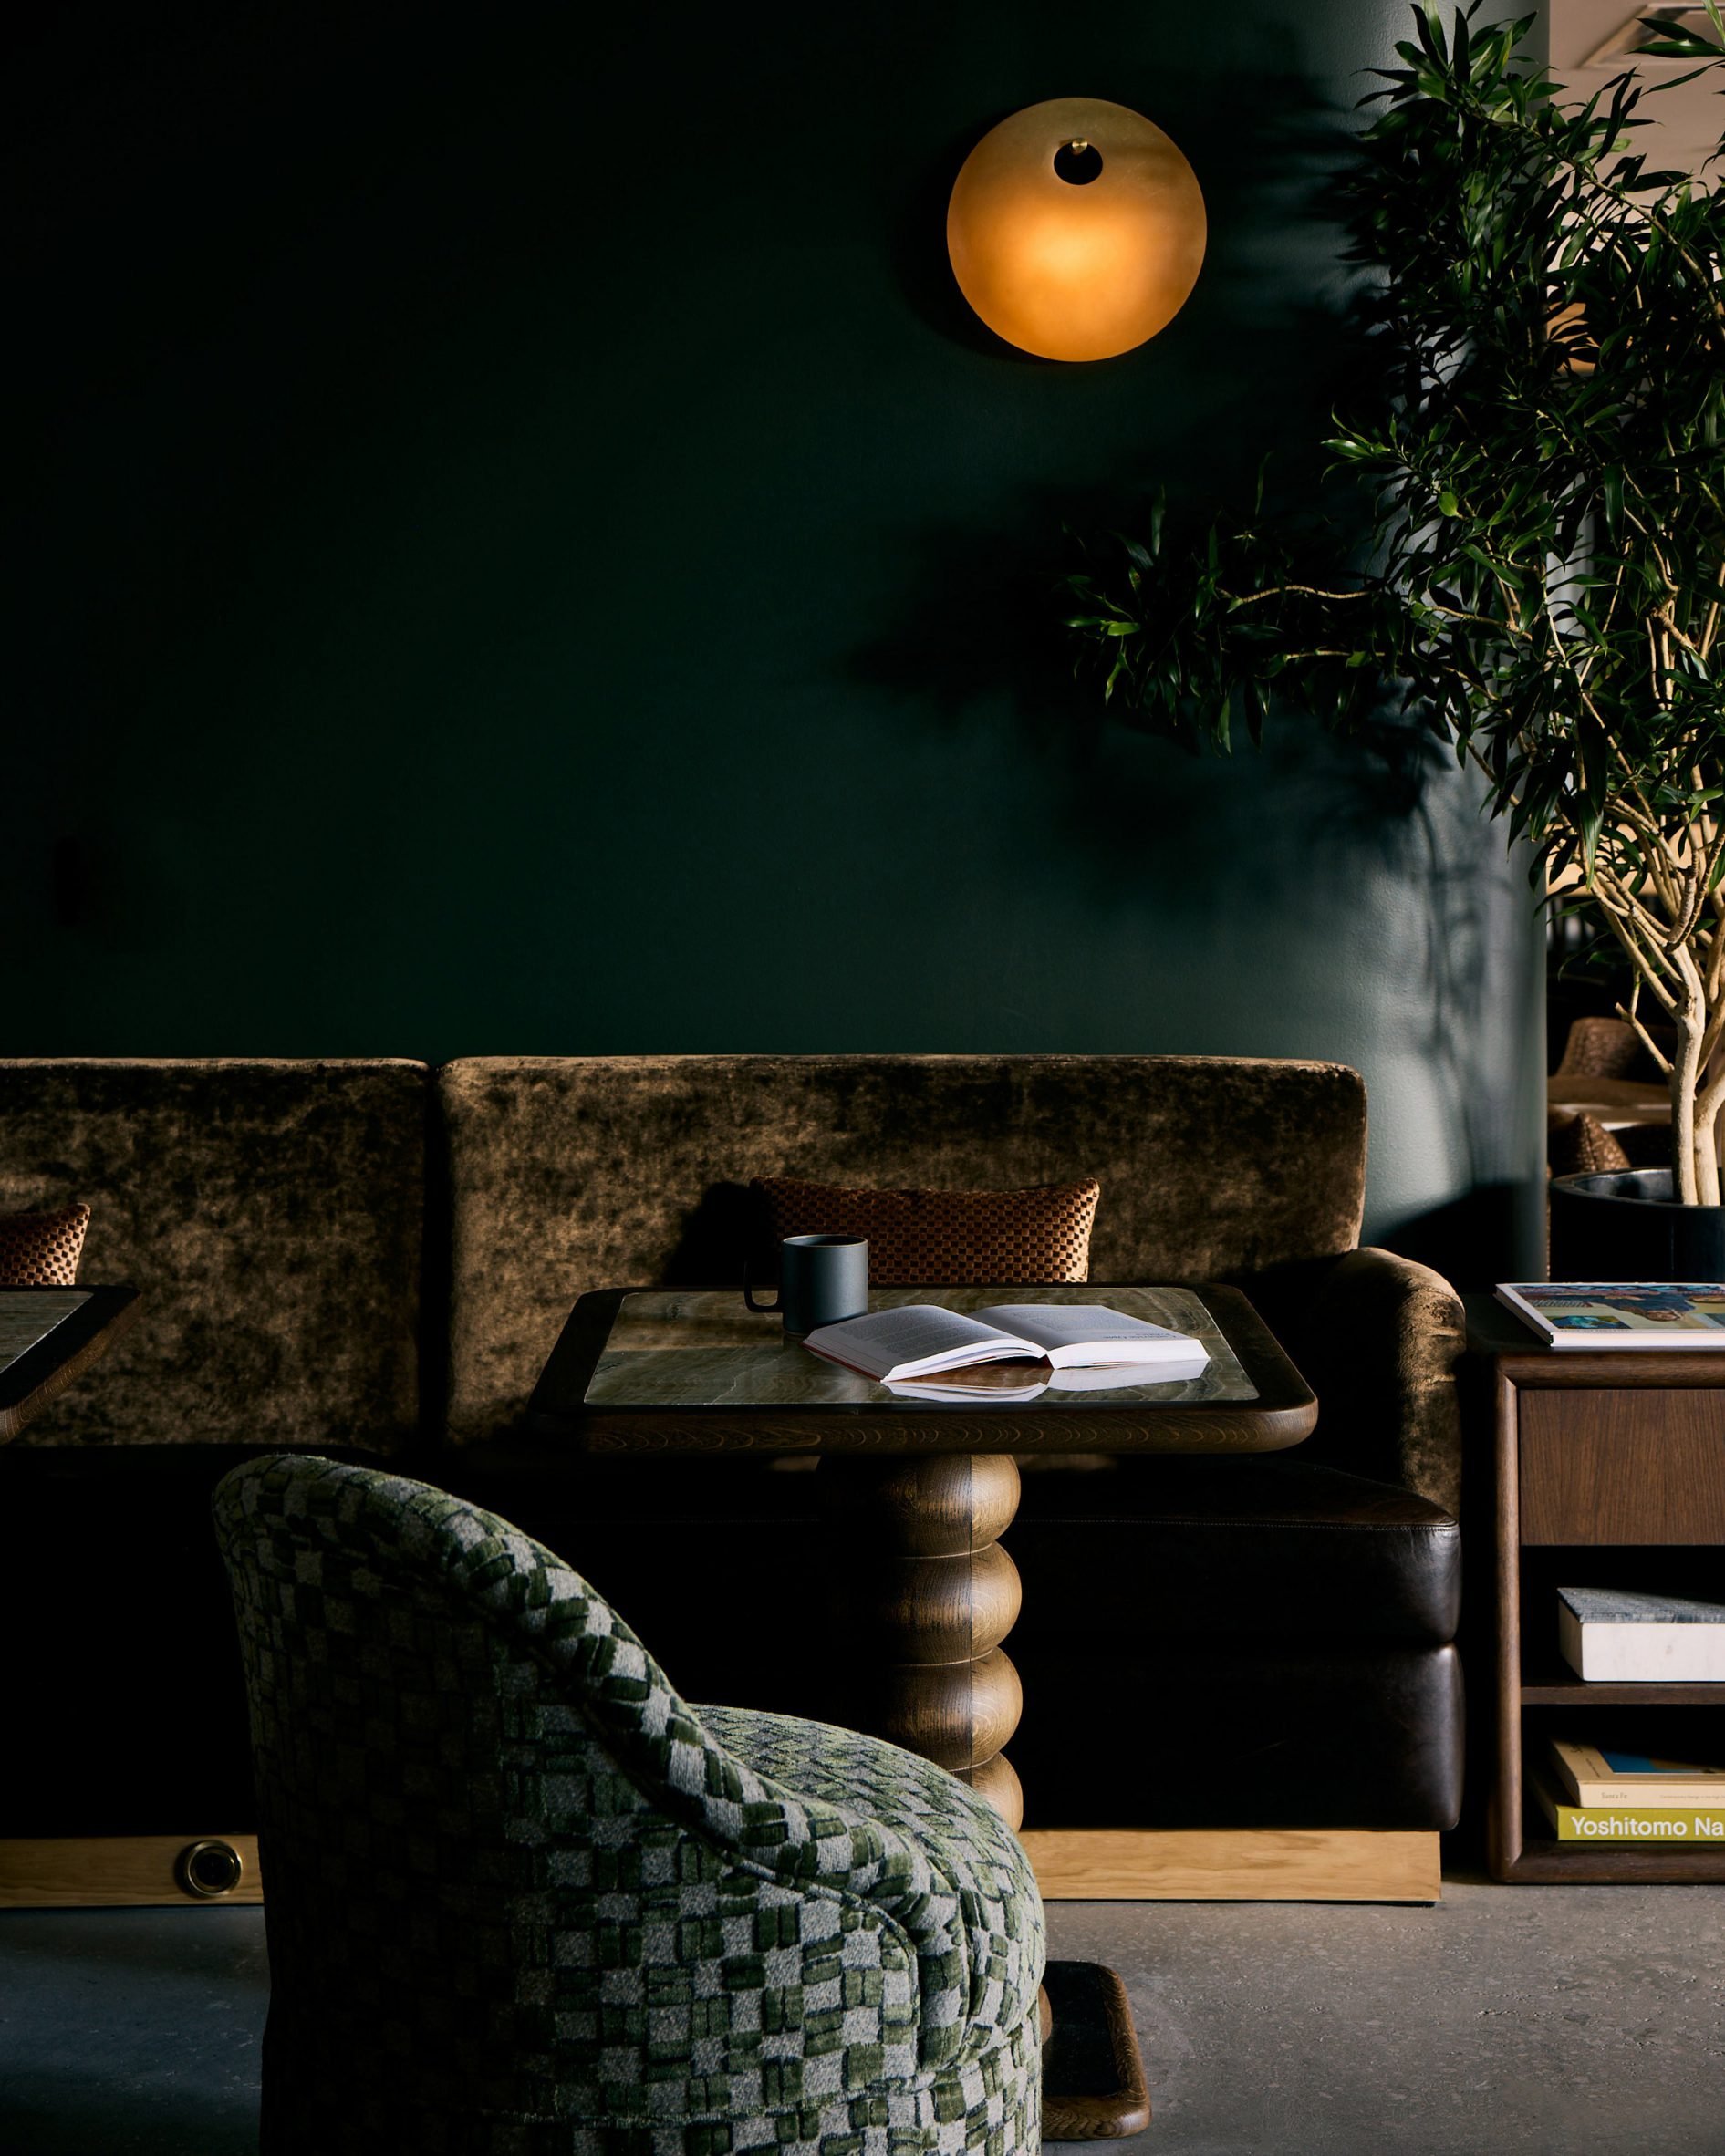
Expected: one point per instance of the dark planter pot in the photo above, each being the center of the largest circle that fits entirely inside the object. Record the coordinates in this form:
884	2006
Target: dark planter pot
1628	1227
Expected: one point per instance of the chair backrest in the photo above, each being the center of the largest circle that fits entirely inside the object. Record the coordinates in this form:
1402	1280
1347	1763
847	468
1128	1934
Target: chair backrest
445	1718
579	1172
513	1878
273	1214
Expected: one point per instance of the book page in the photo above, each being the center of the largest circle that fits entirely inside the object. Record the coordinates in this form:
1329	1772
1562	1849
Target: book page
1118	1377
1085	1324
889	1339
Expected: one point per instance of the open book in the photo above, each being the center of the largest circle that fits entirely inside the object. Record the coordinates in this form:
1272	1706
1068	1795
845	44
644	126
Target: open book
984	1383
921	1338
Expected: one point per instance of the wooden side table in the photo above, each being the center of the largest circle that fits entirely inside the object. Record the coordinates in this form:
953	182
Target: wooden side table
1609	1471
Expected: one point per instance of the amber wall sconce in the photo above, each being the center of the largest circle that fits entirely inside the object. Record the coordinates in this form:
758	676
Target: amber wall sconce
1075	229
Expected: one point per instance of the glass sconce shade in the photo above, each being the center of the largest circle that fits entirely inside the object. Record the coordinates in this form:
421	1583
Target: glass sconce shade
1075	229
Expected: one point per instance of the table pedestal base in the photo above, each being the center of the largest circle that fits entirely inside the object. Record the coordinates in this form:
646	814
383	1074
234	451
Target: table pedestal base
927	1593
1092	2085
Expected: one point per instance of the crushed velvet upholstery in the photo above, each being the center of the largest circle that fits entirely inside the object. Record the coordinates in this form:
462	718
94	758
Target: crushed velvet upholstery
1377	1338
272	1213
572	1173
524	1901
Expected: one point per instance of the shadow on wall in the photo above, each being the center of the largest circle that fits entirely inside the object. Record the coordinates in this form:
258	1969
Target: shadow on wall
1312	827
980	625
1449	1238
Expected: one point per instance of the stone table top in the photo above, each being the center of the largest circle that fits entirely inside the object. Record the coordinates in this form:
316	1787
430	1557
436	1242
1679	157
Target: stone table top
48	1336
693	1371
704	1348
29	1315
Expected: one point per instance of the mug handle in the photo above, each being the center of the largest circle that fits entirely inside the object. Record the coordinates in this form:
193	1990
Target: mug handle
761	1310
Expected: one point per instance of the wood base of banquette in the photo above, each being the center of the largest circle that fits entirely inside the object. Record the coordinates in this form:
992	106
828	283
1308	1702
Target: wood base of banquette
118	1871
1199	1864
1226	1864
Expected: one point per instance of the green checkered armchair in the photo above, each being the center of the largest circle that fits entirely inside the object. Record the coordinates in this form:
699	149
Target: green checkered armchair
525	1902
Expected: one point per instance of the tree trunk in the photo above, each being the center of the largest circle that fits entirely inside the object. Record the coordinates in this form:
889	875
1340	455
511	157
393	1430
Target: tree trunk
1707	1160
1709	1104
1686	1074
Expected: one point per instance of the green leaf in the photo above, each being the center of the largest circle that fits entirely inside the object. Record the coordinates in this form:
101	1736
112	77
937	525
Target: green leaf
1535	452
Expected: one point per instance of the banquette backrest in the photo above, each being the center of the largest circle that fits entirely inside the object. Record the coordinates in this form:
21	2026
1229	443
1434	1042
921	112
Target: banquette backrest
369	1253
571	1173
273	1214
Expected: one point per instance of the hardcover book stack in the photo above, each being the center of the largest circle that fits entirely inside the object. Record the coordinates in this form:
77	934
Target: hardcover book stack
1602	1794
1591	1794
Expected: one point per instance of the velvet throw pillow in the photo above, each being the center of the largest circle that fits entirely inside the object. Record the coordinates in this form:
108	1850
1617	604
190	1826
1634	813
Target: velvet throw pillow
42	1249
954	1239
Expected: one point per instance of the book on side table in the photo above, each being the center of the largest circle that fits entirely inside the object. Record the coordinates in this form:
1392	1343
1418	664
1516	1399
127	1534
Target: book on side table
1620	1313
920	1340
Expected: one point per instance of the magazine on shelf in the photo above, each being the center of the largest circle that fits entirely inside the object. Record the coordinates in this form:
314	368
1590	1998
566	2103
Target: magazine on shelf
1620	1313
1609	1635
1602	1778
921	1338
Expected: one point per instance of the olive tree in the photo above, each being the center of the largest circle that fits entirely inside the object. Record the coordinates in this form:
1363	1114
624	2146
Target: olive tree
1540	435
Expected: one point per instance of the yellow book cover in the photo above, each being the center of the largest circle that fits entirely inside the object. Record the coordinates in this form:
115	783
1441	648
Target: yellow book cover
1696	1827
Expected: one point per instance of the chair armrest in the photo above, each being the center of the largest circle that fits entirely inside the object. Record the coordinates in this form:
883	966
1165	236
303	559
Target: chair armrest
660	1743
1377	1338
966	1897
807	1844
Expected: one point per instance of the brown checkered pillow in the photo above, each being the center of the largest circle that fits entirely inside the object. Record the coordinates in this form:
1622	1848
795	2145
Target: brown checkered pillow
42	1249
954	1239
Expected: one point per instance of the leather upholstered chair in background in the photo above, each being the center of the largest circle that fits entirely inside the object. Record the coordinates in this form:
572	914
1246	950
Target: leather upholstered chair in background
525	1902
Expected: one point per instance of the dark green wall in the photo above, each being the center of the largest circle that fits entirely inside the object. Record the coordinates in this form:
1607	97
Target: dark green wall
524	550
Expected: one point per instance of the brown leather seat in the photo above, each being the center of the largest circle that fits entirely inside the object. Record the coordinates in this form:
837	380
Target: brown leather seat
1277	1735
1236	1643
1201	1550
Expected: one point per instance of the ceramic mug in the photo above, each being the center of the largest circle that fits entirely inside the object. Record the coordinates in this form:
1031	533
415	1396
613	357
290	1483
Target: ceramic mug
822	1277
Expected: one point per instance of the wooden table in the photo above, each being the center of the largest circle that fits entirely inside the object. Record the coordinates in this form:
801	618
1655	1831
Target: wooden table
926	1490
47	1335
1609	1471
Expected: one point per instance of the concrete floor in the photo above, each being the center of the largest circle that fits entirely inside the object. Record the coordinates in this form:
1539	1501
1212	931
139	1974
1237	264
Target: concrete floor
1574	2021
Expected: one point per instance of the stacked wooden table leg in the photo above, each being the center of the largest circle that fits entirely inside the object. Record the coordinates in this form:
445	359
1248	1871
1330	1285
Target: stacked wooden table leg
926	1582
927	1593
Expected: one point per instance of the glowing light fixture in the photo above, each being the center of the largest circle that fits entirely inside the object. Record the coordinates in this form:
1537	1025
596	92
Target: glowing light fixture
1075	229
